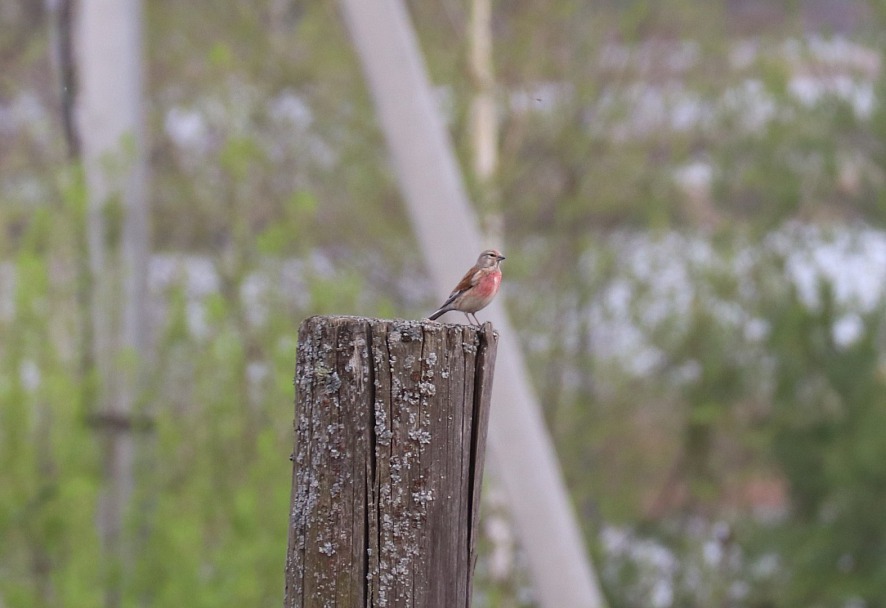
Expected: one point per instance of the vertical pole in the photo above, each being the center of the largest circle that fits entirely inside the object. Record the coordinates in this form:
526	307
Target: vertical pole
390	428
111	135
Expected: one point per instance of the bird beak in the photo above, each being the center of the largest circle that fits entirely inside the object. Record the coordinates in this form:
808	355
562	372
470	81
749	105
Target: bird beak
501	257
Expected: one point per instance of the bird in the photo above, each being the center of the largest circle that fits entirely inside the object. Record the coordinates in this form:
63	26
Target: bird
476	289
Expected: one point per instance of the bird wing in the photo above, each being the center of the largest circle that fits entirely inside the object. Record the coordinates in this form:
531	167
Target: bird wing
469	280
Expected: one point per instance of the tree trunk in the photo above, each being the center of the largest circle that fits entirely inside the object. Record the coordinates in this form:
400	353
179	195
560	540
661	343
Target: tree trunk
111	140
391	420
483	124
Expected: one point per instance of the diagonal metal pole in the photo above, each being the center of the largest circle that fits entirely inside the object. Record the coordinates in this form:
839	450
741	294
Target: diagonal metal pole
447	231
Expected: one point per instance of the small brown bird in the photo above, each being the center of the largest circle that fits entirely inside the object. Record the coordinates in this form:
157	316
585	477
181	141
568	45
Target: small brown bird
477	288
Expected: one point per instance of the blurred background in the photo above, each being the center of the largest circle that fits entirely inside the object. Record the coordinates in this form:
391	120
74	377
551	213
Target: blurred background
691	195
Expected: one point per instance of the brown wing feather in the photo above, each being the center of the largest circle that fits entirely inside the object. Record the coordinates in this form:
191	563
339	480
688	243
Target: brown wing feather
469	280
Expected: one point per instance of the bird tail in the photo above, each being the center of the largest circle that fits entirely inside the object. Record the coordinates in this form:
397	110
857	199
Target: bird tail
437	314
446	306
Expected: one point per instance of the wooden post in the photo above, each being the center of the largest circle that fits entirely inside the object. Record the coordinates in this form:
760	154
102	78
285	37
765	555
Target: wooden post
390	437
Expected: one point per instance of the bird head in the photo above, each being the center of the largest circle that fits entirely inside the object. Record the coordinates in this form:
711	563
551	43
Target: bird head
490	257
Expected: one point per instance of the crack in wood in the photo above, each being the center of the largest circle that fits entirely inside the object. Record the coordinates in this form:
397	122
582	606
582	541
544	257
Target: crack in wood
390	420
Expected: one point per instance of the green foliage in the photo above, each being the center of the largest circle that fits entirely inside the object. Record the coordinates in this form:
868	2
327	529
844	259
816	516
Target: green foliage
48	460
210	517
829	407
292	230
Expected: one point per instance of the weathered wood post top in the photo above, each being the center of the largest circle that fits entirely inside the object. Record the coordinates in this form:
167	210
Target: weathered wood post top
390	436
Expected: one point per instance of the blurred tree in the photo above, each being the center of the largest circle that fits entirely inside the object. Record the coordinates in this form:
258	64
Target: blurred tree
109	70
828	406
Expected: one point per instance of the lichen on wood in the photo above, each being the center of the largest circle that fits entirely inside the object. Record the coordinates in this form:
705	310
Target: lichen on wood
390	429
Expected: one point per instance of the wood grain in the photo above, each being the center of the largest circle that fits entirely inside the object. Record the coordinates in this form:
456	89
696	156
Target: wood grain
390	435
